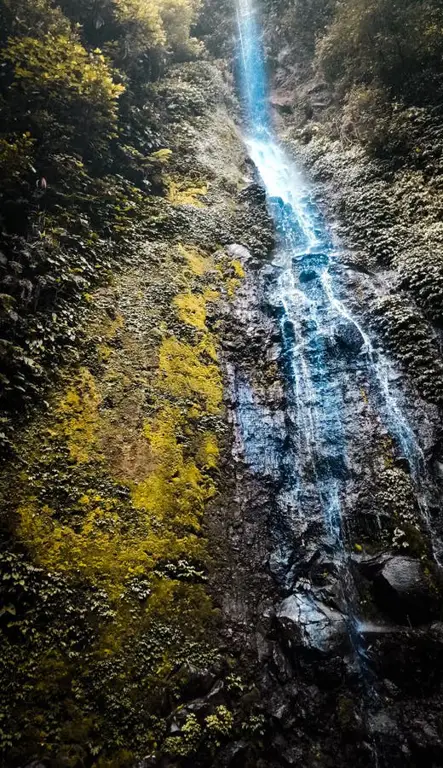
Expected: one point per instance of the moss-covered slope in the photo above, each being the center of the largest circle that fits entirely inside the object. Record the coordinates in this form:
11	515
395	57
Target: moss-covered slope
107	622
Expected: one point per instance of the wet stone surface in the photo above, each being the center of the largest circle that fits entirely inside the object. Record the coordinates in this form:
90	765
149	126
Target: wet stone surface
345	625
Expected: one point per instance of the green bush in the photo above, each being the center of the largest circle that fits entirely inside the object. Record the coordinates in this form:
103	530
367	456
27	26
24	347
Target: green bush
388	41
57	76
133	27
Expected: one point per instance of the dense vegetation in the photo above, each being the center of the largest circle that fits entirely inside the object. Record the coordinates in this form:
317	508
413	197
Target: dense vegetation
398	45
381	58
105	617
78	127
107	624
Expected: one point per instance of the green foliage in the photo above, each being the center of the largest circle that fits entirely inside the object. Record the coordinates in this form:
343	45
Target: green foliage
135	544
217	26
367	117
187	743
391	41
103	573
81	149
206	736
16	157
130	28
57	75
255	726
388	129
99	669
299	23
219	725
40	17
381	60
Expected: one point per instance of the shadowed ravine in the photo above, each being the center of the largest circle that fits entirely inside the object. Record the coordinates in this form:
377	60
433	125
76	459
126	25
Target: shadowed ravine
328	361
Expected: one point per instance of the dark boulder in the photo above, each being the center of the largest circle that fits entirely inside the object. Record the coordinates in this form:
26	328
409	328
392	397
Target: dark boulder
195	681
307	623
233	756
406	590
307	275
348	338
426	739
253	193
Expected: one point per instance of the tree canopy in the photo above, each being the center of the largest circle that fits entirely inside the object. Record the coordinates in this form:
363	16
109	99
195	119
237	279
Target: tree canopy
395	42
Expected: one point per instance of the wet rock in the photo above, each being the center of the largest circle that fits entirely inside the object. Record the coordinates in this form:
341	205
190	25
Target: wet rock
402	463
278	706
354	267
233	756
288	332
307	275
405	590
238	251
331	463
436	631
425	735
196	681
280	562
348	338
202	706
382	722
410	338
291	754
282	667
253	193
305	622
394	292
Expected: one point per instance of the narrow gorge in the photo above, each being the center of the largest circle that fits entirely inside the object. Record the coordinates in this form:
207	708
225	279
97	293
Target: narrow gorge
221	266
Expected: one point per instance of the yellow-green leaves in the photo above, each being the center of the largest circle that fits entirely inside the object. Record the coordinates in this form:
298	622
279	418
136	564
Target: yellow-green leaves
158	23
58	72
16	155
145	18
177	17
162	156
60	61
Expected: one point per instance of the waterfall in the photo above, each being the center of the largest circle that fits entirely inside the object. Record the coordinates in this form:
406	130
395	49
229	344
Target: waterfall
327	355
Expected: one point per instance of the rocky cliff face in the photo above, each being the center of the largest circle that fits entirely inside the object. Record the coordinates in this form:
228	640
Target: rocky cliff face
347	647
347	644
337	690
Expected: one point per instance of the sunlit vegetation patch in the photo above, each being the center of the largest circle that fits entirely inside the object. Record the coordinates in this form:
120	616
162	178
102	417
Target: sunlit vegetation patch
184	374
82	158
106	582
198	261
184	192
120	564
104	559
60	73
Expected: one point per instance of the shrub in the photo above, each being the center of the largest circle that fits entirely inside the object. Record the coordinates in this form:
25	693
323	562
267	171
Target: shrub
57	75
134	27
389	41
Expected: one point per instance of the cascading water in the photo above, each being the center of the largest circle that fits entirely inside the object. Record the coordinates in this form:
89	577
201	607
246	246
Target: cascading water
306	292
